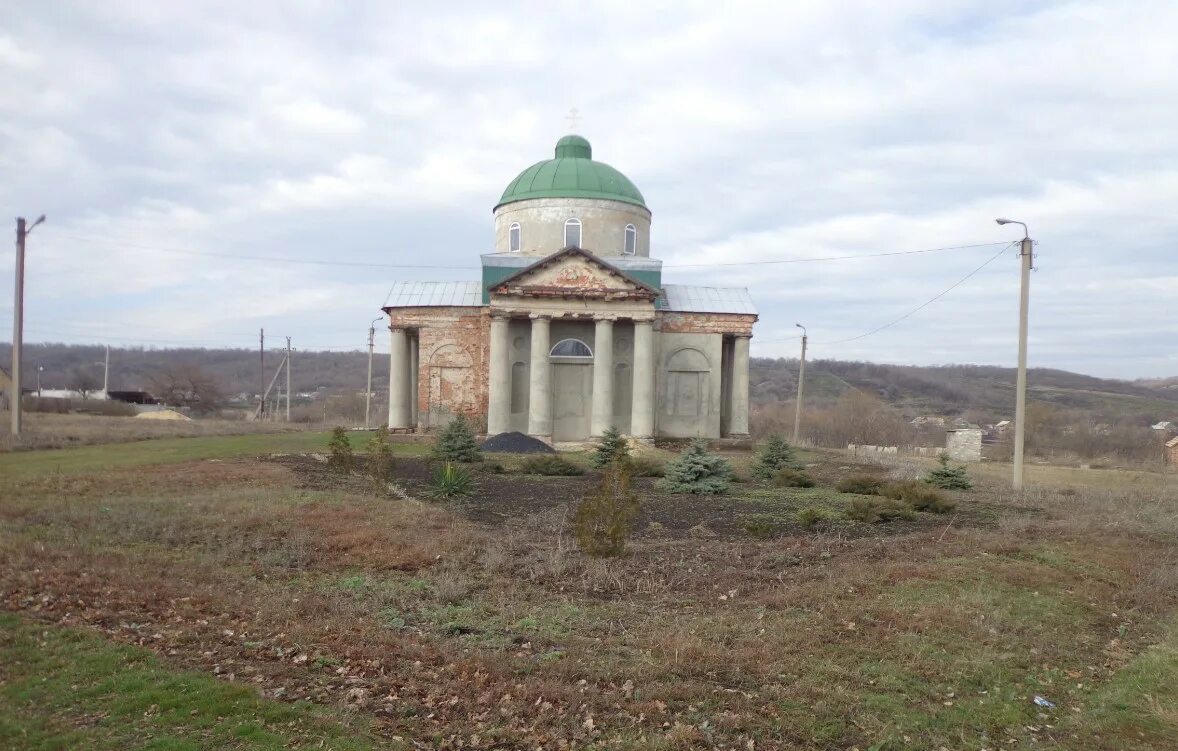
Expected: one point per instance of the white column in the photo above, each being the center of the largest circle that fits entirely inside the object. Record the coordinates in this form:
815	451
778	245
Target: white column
398	378
414	370
499	377
738	409
642	398
603	377
540	381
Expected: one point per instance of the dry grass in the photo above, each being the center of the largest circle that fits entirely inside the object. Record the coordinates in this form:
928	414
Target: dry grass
440	630
46	430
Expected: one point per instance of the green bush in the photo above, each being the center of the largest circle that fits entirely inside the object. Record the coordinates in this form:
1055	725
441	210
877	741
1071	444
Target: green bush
642	466
380	456
696	471
774	456
763	528
450	480
813	516
456	443
864	510
947	476
919	496
550	464
871	510
339	451
792	478
859	484
611	448
602	521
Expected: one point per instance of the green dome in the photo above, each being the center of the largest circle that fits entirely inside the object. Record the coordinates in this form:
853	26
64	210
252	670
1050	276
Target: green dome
572	174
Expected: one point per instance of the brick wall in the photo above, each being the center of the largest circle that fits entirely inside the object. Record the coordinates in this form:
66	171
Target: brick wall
450	339
706	323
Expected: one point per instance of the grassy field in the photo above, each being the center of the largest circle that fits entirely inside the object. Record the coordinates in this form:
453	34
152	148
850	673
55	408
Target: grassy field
194	593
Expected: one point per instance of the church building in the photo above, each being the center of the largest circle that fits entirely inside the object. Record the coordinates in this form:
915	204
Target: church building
571	329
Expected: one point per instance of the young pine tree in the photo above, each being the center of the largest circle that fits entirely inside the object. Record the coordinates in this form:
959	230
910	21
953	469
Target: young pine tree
613	447
340	457
456	443
696	471
380	456
602	522
774	456
947	476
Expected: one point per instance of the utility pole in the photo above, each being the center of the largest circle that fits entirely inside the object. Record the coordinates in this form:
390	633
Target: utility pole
1026	258
288	379
368	390
262	373
18	318
106	374
801	383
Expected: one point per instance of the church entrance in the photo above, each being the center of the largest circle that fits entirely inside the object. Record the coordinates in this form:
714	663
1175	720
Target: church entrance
572	391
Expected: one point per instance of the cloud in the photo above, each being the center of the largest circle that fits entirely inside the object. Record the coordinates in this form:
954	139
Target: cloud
756	131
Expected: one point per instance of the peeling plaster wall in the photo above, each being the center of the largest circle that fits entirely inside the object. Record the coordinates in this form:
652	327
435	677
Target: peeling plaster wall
603	225
453	361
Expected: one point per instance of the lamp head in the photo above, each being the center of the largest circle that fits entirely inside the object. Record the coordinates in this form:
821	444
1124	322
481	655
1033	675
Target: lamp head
1003	221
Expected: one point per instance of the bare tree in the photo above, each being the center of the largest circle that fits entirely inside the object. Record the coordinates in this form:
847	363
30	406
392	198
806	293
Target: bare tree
83	380
187	386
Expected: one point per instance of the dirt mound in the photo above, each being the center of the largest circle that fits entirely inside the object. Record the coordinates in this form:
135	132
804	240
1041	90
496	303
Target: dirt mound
516	443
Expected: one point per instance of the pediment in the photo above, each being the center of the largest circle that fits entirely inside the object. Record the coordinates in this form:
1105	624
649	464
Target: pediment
574	273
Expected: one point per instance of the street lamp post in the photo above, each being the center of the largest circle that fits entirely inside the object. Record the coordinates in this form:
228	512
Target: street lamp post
1026	258
801	383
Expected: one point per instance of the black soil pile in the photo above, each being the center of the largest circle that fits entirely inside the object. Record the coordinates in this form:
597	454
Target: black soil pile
516	443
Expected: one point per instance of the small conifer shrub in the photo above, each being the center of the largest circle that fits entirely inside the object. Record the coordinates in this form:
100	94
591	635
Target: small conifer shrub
380	456
774	456
696	471
860	484
550	464
919	496
603	520
456	443
339	451
947	476
450	480
815	516
792	478
613	447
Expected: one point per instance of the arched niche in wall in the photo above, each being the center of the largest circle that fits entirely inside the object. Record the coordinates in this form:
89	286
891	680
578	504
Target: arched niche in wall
451	384
688	383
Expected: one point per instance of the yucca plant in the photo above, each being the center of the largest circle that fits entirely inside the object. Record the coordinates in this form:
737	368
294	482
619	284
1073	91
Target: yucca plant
449	481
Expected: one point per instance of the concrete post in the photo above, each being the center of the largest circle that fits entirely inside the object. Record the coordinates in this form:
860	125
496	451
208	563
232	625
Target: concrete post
540	381
642	398
499	377
414	369
603	377
398	378
738	408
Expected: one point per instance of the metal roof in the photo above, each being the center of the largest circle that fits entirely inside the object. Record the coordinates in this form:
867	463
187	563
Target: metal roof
435	294
688	298
572	174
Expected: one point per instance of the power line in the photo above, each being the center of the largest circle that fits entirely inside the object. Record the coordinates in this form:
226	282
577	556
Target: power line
831	258
266	259
372	264
1005	246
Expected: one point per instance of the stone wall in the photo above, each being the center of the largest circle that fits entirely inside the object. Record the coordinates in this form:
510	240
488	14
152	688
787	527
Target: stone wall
964	445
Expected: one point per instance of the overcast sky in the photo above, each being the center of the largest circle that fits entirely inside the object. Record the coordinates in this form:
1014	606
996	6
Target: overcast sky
384	133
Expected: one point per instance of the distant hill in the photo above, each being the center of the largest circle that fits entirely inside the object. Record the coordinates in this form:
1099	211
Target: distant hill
986	391
983	392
